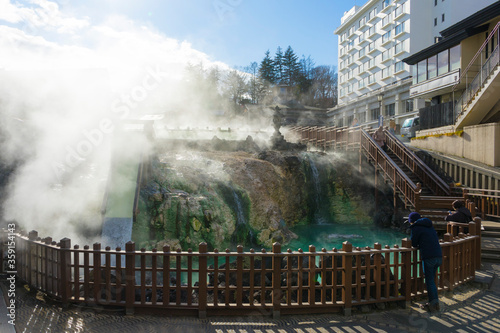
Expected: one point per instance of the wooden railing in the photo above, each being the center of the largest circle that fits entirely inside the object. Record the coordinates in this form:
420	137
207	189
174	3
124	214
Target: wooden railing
355	137
417	166
409	191
265	283
487	201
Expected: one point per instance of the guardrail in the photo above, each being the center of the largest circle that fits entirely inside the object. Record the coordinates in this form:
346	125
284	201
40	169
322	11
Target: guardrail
407	188
485	69
417	166
487	201
254	282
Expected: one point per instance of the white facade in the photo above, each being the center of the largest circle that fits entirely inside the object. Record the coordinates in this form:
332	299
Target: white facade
446	13
373	40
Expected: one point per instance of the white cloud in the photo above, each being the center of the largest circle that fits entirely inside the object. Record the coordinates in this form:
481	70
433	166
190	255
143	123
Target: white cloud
42	14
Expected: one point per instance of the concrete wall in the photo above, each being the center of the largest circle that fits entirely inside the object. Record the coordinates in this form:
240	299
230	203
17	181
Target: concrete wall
480	143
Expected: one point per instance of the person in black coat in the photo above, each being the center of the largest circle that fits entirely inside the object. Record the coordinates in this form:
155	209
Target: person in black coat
461	213
424	237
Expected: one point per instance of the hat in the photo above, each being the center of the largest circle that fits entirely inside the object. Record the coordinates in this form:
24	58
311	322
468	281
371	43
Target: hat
413	217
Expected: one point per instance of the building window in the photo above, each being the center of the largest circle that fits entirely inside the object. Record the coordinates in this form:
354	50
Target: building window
371	46
422	71
361	117
455	58
350	119
386	55
386	72
386	20
399	28
399	10
442	63
399	47
399	66
386	36
390	110
361	38
362	52
362	22
369	79
442	18
374	113
409	105
431	67
385	3
371	31
435	21
435	2
372	13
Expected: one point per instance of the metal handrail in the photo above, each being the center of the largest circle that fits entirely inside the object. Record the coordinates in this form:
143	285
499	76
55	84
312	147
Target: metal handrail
481	49
486	69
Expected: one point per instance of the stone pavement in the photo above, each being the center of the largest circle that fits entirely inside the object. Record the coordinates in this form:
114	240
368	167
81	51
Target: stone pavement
470	308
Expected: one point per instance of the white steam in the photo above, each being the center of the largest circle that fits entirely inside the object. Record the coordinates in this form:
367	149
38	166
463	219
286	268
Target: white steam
67	85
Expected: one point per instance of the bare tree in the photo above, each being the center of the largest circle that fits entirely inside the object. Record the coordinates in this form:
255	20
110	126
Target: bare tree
324	86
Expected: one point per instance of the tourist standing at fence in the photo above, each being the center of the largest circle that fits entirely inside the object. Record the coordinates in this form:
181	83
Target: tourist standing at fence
379	137
425	238
461	213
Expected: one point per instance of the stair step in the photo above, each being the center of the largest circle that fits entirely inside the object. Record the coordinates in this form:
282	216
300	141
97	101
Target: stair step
489	250
490	257
493	234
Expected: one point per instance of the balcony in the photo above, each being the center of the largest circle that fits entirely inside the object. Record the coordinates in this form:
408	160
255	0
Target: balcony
387	23
389	40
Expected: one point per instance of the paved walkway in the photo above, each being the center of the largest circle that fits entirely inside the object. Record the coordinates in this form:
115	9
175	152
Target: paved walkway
471	308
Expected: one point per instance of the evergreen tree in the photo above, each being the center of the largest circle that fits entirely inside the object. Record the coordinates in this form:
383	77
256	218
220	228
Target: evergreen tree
291	67
278	65
266	70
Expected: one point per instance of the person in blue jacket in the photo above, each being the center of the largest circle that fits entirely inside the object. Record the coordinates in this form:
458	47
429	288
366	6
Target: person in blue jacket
424	237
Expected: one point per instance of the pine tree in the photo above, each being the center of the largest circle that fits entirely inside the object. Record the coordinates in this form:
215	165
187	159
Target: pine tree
278	65
266	70
291	67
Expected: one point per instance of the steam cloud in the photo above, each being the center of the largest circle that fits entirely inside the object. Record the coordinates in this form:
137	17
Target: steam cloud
67	82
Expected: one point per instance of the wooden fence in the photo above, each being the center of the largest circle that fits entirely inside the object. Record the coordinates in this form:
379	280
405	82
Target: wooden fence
255	282
487	201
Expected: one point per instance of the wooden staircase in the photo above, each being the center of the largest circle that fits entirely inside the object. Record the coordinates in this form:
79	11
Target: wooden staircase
418	187
490	241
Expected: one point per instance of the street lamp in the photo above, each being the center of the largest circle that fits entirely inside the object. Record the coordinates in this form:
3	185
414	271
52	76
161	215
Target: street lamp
380	117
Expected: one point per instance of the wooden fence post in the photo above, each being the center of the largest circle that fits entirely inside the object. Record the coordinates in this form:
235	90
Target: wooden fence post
312	275
96	254
130	278
31	257
347	277
202	285
477	221
449	265
484	199
64	279
406	244
377	262
277	295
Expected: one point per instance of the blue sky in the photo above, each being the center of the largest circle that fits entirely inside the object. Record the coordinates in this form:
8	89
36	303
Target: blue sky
235	32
